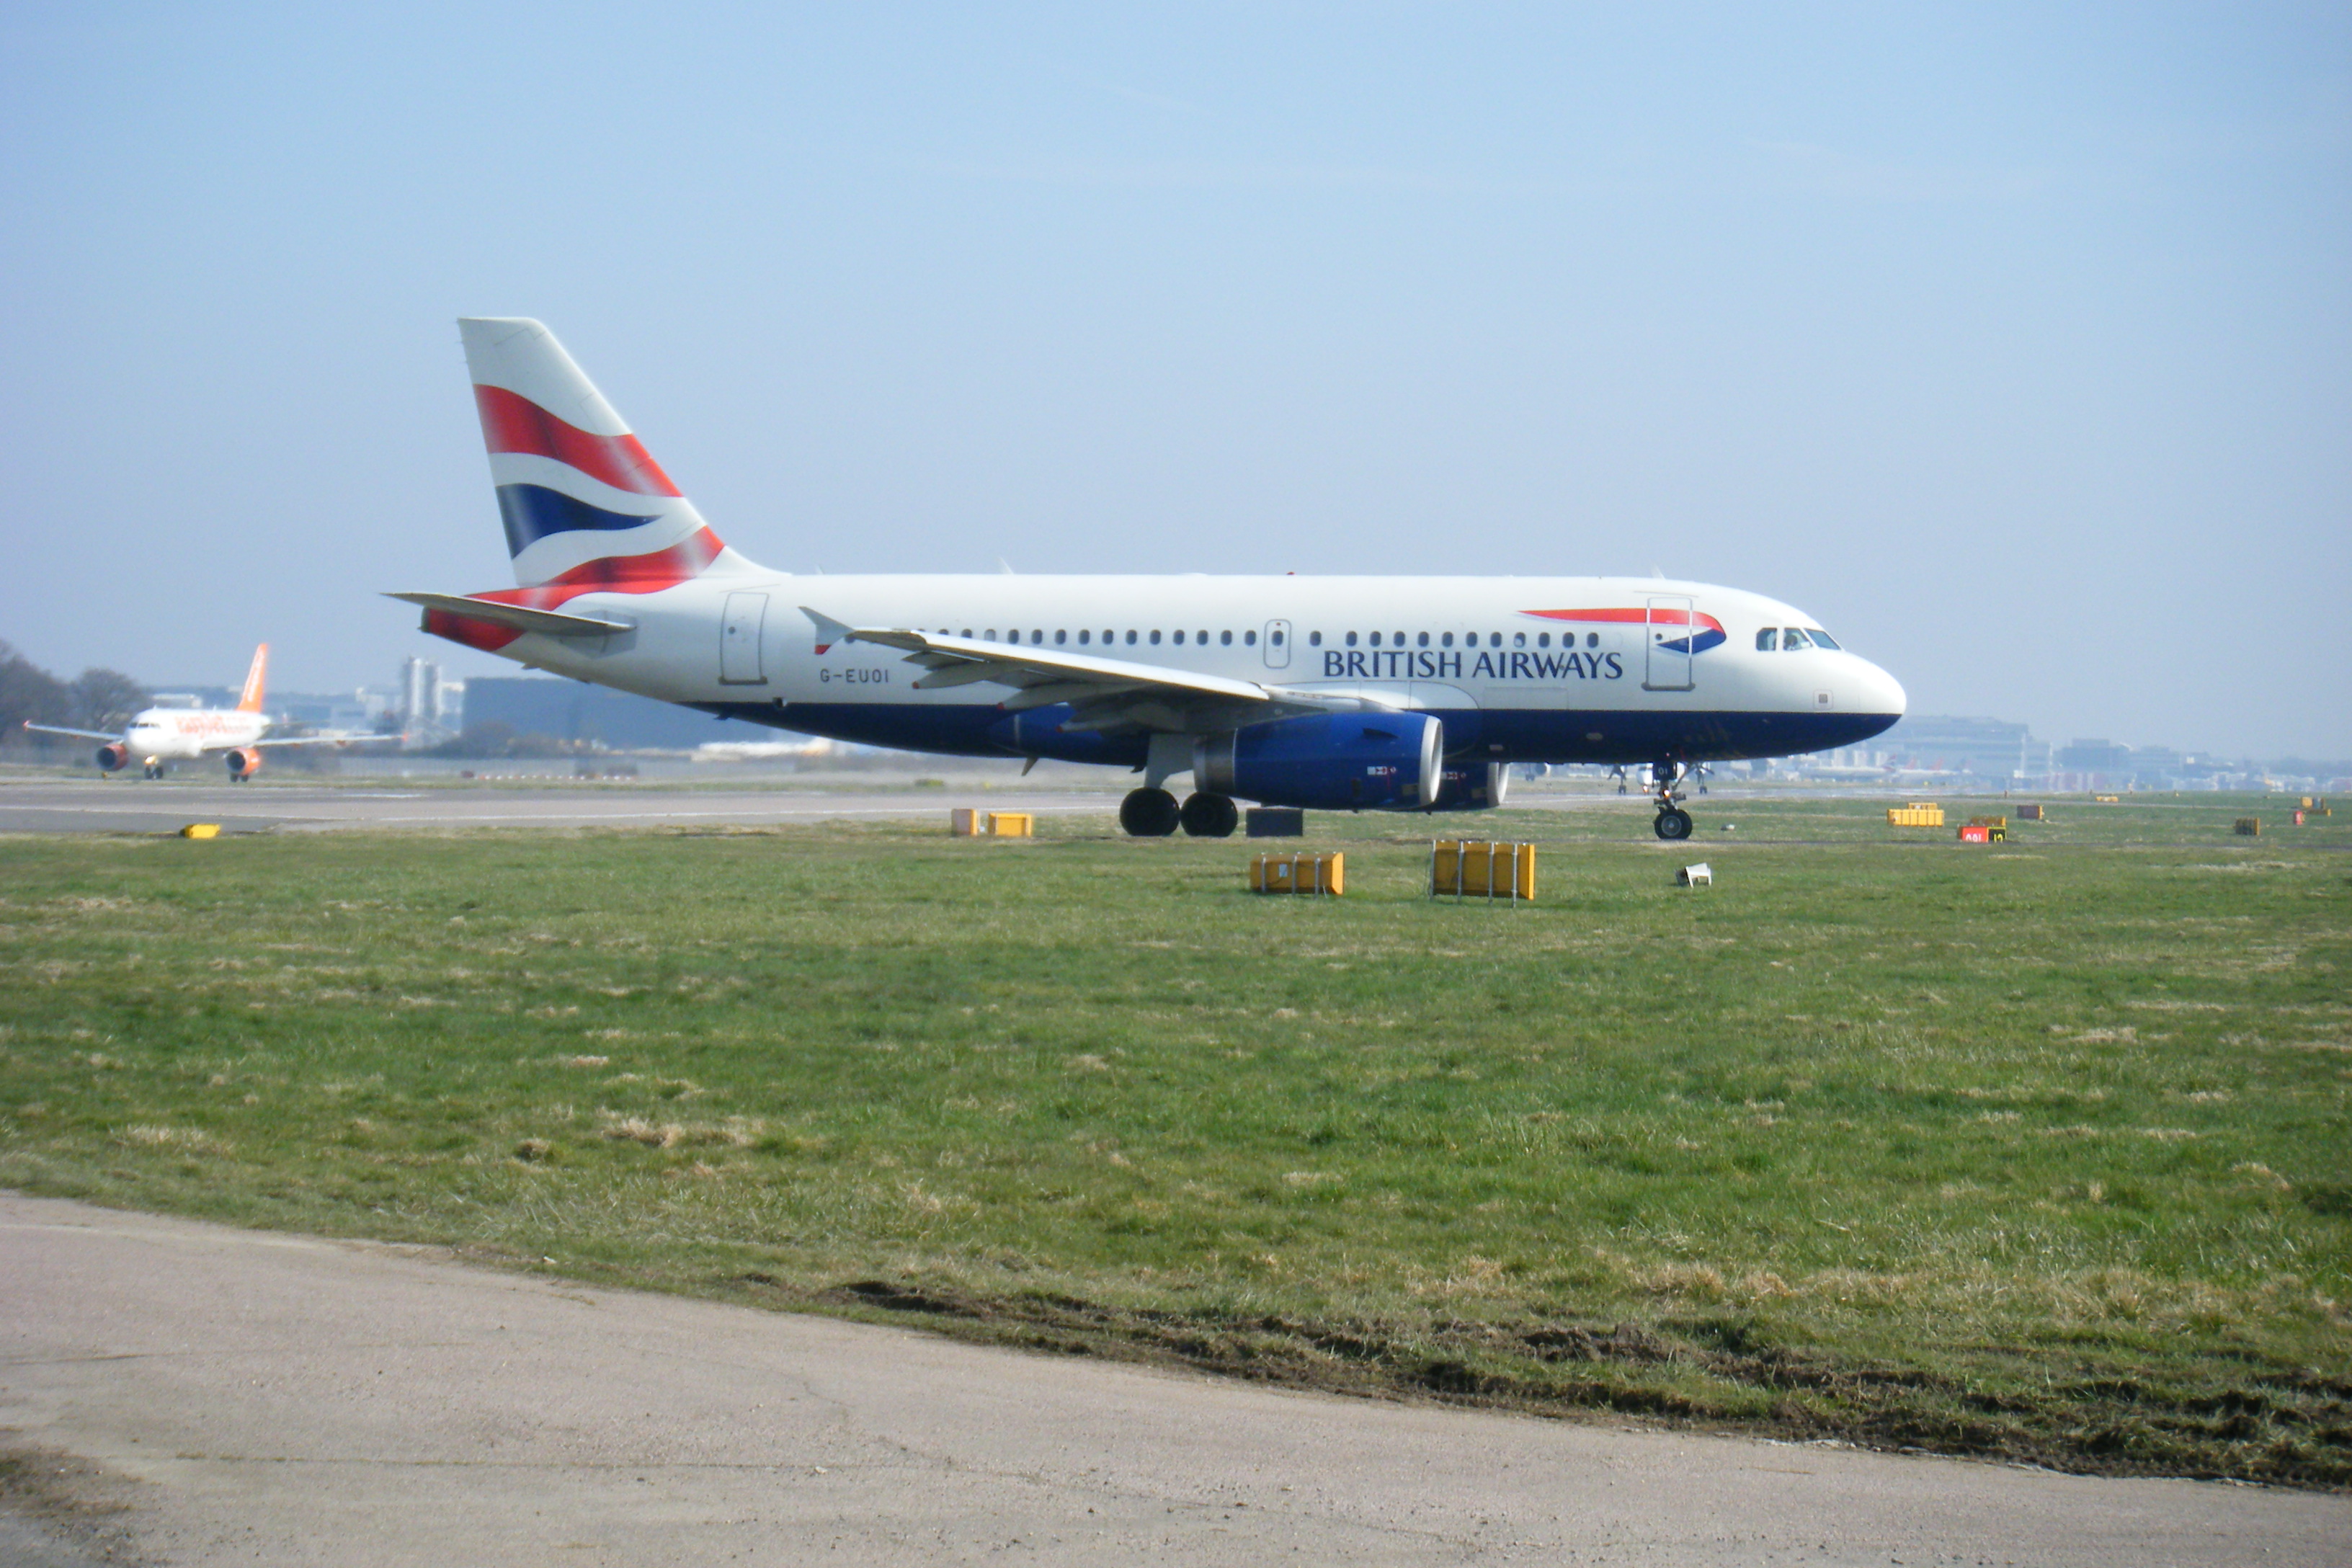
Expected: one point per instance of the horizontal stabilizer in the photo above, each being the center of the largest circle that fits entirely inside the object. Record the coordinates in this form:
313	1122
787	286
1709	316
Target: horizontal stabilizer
521	617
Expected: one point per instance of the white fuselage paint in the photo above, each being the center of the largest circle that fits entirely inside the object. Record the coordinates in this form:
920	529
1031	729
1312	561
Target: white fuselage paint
185	734
673	651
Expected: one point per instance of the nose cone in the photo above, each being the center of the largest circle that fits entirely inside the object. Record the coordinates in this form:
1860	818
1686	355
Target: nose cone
1884	693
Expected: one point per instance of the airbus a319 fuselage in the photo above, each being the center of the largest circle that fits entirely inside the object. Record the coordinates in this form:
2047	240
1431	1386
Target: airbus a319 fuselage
1331	692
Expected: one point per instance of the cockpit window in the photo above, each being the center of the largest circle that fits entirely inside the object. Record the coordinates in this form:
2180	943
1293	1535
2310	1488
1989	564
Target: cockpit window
1792	639
1768	639
1821	638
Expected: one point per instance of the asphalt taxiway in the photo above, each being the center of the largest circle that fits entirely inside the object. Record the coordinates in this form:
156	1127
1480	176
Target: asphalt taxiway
120	806
209	1395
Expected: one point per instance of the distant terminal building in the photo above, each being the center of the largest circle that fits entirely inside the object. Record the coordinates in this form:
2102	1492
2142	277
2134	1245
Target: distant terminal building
1988	749
570	711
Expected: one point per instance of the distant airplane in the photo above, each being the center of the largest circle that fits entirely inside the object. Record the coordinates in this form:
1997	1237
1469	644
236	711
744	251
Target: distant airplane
1345	693
161	736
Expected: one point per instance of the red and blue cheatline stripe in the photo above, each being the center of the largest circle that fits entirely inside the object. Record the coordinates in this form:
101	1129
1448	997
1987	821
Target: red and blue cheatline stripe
1706	631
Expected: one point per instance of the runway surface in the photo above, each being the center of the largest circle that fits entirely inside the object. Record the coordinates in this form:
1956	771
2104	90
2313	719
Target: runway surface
118	805
252	1397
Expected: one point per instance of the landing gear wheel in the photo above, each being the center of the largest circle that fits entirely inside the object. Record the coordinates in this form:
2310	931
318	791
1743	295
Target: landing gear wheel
1210	816
1149	813
1674	823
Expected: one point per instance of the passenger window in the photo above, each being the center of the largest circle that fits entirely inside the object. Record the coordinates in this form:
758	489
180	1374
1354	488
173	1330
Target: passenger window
1351	639
1180	636
1130	638
1314	639
1821	638
1200	638
1592	639
1445	640
1060	637
1035	637
1225	639
1083	635
1766	638
967	631
1155	637
1249	639
1792	639
1543	639
1518	639
1423	639
1376	639
1274	638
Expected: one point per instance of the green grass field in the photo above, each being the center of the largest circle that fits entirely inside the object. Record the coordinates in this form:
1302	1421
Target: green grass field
2037	1150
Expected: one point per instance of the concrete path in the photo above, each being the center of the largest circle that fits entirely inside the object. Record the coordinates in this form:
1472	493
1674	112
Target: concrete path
273	1399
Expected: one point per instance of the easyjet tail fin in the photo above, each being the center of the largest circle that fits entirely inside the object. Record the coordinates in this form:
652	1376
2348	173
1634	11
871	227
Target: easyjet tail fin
585	506
254	680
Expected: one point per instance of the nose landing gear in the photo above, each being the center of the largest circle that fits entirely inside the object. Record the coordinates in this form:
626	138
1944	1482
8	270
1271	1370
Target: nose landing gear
1673	823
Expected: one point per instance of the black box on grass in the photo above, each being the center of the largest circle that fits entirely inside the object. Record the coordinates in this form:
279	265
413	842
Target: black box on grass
1276	822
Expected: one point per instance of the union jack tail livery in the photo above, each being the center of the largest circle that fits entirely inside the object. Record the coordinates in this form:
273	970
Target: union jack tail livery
250	702
585	506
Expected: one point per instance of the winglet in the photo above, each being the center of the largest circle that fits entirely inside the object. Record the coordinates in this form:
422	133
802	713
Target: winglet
828	630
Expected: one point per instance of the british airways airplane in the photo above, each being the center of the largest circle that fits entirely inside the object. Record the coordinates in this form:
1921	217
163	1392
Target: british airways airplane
1336	693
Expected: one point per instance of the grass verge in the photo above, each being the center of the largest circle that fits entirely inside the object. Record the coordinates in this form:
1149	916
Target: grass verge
2036	1151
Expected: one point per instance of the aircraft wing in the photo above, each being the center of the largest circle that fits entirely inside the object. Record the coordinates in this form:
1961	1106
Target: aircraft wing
322	740
1103	693
78	734
521	617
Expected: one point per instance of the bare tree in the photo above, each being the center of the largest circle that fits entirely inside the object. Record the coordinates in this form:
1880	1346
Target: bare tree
105	698
28	691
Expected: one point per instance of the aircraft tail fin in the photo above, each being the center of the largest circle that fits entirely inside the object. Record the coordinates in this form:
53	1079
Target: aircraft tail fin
585	506
254	679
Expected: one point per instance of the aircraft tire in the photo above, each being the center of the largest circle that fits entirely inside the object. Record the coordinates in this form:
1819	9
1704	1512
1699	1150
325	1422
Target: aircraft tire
1210	816
1149	813
1673	824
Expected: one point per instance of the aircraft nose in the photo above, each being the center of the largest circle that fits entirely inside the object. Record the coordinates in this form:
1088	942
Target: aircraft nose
1885	693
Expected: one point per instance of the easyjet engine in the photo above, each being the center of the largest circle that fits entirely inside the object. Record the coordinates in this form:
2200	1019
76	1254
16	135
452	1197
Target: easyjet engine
244	762
1473	786
1327	762
113	756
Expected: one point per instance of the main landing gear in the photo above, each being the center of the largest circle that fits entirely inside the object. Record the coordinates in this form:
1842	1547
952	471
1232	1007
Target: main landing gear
1152	812
1673	822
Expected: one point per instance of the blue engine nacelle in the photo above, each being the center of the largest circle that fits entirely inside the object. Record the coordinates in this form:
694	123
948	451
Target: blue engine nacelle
1327	762
1473	786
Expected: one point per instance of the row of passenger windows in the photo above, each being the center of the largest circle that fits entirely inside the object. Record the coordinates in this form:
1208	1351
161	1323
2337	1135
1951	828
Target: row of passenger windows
1084	636
1469	640
1791	638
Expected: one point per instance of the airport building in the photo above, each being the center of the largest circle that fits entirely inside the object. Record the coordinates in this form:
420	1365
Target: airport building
595	715
1992	750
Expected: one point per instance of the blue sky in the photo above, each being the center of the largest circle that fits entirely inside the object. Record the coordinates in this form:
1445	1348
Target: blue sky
2013	343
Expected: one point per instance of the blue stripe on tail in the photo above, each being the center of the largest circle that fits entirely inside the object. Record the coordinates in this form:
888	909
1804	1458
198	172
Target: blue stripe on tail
531	512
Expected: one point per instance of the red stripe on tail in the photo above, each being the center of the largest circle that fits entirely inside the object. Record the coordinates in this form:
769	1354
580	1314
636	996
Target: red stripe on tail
512	423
